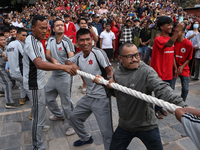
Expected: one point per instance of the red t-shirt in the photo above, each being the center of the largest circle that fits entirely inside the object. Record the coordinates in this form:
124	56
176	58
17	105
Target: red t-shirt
71	29
183	51
162	58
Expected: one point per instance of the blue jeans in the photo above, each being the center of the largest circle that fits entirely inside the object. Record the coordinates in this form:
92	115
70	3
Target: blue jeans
122	138
142	50
185	86
158	108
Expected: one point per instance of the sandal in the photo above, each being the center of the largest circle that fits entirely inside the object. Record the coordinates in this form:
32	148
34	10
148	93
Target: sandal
83	91
80	87
159	115
163	112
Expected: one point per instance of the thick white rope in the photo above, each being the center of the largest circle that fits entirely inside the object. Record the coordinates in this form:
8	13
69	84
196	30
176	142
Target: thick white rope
134	93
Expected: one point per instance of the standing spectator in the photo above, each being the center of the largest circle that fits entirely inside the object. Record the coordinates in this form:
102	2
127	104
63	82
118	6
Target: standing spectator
154	32
145	36
126	35
163	54
19	23
191	36
183	50
136	32
103	10
69	27
197	57
107	41
98	26
115	30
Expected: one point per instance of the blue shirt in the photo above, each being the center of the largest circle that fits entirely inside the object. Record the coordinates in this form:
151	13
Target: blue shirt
98	26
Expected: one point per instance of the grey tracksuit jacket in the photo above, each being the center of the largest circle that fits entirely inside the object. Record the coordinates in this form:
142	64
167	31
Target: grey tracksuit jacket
136	114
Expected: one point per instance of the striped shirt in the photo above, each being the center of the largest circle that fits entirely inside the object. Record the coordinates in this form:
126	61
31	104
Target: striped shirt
14	53
91	65
59	51
33	78
191	125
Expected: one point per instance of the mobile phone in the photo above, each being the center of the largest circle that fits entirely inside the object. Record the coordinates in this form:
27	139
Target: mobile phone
89	24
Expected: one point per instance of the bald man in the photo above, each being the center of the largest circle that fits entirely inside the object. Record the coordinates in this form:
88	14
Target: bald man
137	117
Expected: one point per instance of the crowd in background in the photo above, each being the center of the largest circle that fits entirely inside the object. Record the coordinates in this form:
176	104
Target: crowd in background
111	23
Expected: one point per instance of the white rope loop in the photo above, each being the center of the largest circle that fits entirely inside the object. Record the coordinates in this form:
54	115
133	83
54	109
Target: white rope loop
134	93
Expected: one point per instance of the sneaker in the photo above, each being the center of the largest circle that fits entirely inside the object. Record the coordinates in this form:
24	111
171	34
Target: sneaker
12	105
70	131
30	117
2	94
54	118
22	101
80	143
46	128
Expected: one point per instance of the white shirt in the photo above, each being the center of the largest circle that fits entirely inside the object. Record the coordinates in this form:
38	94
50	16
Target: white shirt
107	39
67	25
20	25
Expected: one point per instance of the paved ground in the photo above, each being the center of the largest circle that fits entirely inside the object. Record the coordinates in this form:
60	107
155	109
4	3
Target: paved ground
15	126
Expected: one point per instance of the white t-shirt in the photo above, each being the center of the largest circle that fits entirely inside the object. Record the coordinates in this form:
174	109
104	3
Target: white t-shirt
107	39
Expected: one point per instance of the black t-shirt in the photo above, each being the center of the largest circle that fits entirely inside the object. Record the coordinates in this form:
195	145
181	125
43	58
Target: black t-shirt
145	35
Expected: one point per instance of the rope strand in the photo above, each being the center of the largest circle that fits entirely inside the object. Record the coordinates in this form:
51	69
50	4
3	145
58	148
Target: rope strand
134	93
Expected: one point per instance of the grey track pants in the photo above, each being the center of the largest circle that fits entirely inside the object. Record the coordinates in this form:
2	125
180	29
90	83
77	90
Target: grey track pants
22	90
59	85
6	83
38	104
101	109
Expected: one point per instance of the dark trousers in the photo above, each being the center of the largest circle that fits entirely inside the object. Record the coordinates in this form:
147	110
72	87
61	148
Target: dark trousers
147	55
122	138
157	108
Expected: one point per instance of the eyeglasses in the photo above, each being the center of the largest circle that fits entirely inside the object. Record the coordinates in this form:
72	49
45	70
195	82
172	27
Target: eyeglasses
130	56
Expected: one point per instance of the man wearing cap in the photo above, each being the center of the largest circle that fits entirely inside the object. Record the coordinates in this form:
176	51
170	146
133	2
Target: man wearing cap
107	41
136	31
69	27
98	26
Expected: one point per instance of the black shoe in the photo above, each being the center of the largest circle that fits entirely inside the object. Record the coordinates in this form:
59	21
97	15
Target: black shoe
12	105
2	94
80	143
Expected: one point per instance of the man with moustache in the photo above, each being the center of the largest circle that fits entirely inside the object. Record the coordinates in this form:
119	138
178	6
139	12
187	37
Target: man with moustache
137	117
34	64
59	49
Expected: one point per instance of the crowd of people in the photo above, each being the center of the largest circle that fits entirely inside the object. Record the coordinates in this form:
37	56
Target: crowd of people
155	42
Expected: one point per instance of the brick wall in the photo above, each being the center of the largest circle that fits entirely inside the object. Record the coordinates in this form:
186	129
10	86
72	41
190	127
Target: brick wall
193	11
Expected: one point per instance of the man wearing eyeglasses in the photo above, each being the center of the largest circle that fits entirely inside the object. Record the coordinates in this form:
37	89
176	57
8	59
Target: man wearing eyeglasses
137	117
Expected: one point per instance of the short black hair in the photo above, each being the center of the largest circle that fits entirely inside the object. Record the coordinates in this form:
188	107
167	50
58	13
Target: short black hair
66	15
128	21
36	18
79	20
57	19
82	32
5	30
1	34
21	30
163	20
176	23
127	44
12	27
